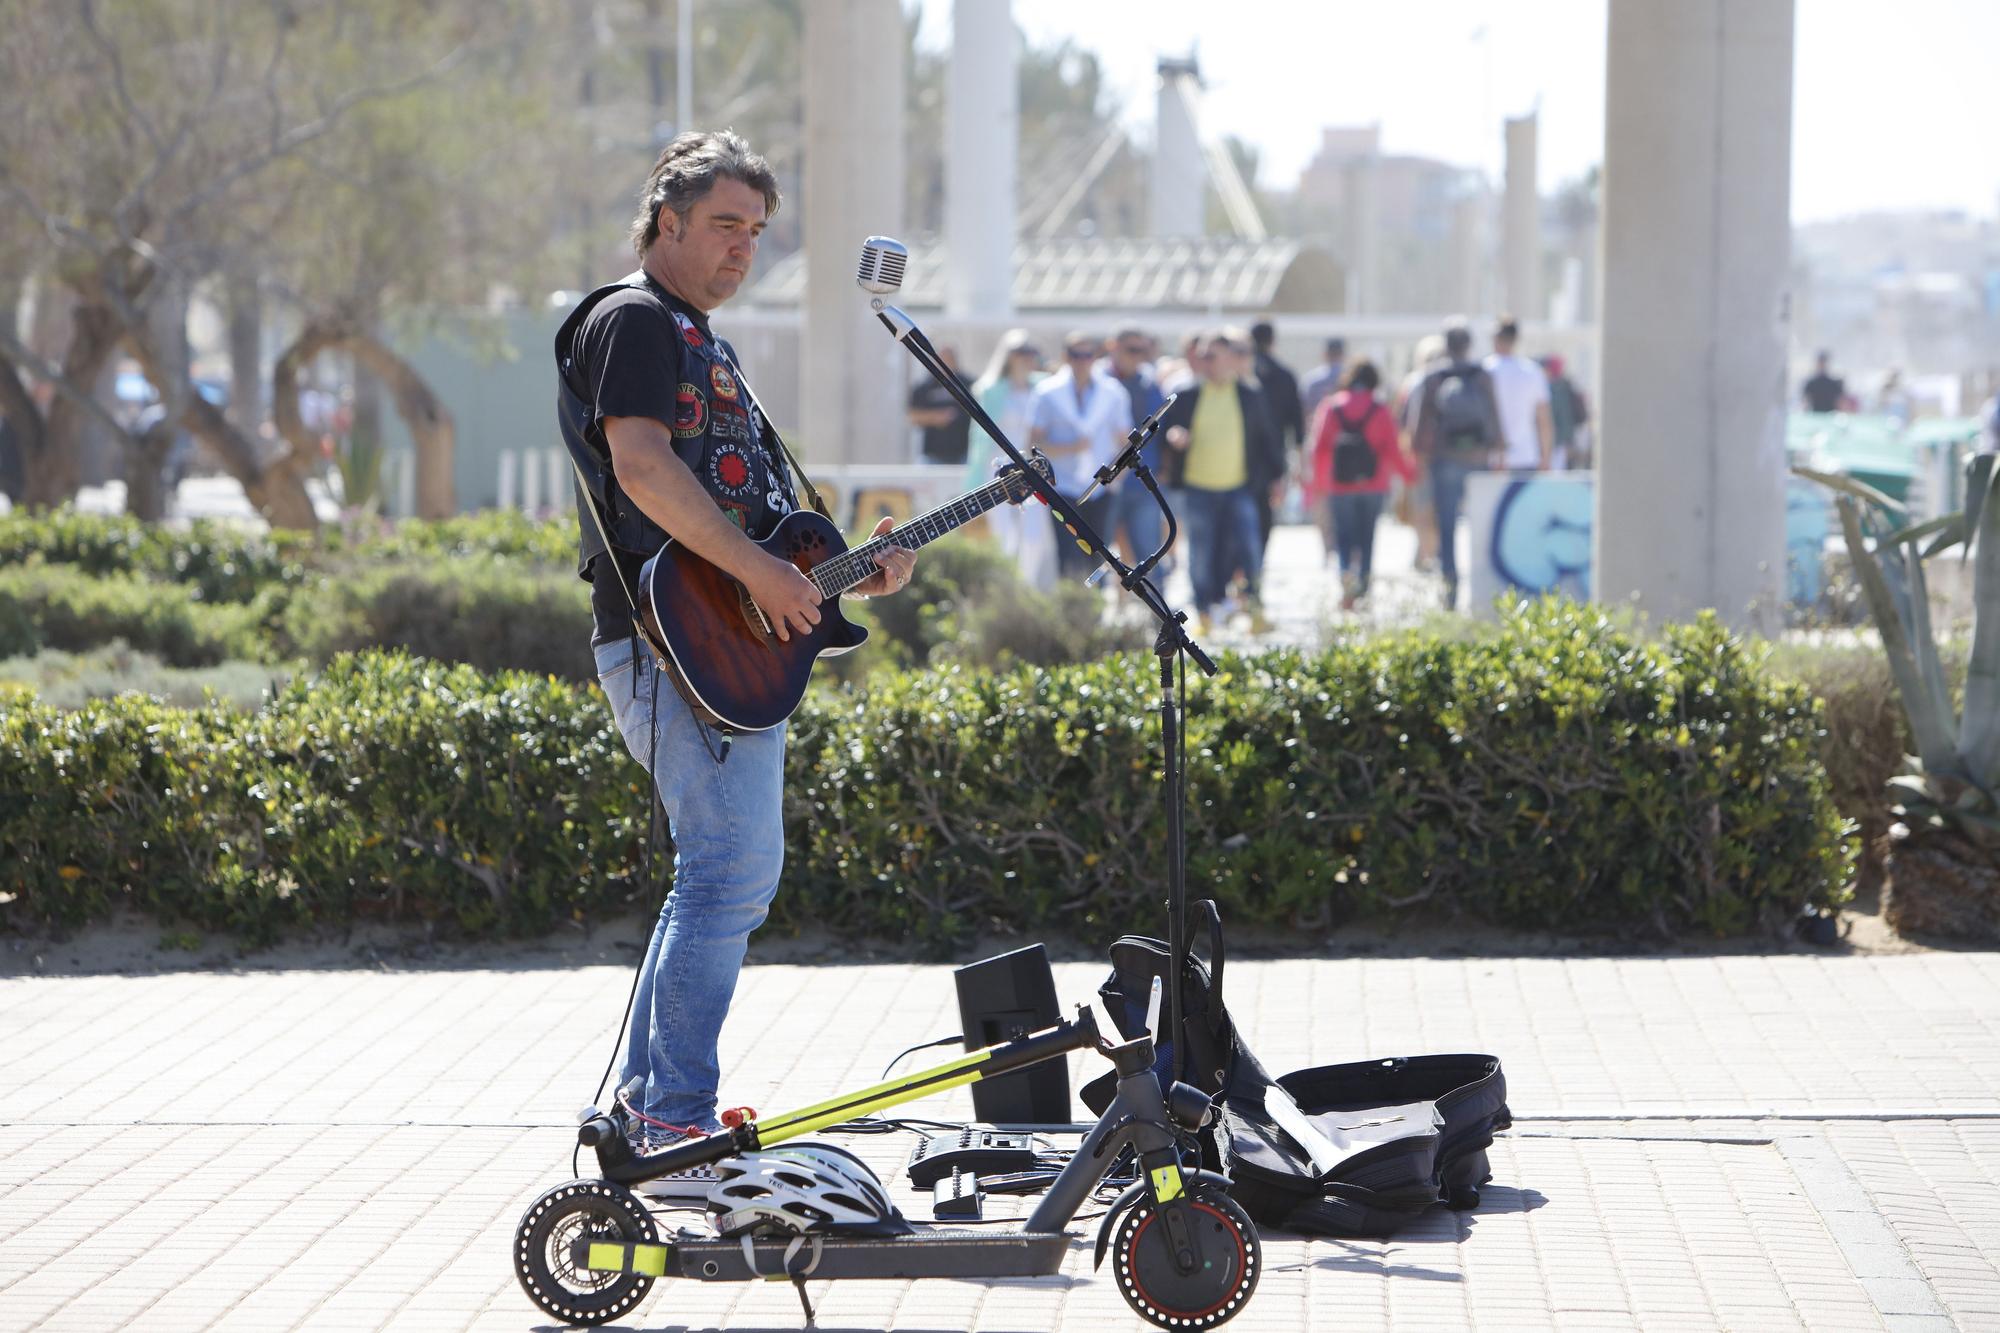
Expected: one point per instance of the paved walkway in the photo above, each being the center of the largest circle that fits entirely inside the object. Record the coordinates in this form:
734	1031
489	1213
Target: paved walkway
1744	1142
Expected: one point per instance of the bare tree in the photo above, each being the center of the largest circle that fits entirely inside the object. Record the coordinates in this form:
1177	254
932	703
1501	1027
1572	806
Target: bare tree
147	136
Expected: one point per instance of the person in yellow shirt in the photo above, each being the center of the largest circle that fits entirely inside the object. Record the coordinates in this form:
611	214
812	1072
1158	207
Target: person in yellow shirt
1221	445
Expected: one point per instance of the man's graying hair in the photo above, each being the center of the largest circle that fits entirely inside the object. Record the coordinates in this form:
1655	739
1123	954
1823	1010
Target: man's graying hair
688	169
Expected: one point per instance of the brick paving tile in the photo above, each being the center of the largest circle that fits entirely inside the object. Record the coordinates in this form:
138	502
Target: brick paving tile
352	1149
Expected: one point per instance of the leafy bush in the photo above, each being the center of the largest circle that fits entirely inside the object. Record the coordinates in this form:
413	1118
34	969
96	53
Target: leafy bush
221	562
492	614
58	606
1553	774
69	680
389	787
966	603
1865	737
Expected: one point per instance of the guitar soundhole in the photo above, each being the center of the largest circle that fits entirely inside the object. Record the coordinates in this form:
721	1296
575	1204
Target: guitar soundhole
808	548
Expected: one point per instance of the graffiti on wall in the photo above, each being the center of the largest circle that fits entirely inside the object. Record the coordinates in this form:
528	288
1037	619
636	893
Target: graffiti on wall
1532	533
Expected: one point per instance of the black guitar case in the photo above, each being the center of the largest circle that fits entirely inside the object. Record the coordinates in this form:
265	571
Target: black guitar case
1393	1136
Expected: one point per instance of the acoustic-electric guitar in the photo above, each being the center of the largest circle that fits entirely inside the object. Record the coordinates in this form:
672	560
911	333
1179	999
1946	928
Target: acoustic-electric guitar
715	642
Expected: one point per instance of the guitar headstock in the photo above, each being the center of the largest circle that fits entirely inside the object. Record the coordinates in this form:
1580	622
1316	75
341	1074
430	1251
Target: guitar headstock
1016	481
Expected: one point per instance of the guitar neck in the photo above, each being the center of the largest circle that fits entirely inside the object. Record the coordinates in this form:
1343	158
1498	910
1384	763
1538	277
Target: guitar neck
857	564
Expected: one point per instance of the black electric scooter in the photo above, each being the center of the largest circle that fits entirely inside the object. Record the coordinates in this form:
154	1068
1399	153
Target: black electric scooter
1185	1255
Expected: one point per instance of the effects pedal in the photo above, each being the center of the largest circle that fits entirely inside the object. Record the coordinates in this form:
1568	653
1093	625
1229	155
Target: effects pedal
956	1198
970	1150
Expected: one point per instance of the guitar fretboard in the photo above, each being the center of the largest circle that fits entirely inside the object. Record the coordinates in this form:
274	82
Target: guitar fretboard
857	564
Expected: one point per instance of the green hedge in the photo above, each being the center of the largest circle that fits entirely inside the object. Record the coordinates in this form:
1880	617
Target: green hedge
62	606
495	590
217	562
1555	774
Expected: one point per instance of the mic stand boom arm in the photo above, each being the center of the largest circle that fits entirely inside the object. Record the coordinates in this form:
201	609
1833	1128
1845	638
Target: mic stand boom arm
1171	646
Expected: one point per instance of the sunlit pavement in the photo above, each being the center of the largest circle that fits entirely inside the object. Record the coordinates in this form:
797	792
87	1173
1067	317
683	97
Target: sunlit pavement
1741	1142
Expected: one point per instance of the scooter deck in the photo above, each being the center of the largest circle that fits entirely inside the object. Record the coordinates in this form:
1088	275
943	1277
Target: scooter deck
931	1252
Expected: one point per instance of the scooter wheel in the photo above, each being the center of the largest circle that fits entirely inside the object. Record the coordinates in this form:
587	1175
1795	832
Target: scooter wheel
1150	1282
582	1209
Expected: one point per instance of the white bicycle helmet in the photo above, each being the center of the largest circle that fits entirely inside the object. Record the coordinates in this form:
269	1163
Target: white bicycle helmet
800	1189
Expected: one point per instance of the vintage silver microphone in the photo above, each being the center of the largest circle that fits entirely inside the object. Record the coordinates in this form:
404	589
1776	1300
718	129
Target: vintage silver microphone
882	263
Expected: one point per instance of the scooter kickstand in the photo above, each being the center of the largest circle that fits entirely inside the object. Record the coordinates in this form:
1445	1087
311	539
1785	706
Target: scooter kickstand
799	1284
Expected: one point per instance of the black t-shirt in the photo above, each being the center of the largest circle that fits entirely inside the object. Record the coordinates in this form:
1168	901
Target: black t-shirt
943	444
643	352
1824	392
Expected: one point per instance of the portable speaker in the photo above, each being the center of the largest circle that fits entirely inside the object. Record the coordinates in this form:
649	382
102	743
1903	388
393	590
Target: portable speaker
1000	999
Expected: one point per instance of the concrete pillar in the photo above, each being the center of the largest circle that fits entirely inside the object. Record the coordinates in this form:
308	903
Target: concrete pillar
854	373
1468	253
1696	256
982	114
1521	223
1361	203
1180	174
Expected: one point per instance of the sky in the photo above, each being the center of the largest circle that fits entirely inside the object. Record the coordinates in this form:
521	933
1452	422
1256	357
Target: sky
1891	102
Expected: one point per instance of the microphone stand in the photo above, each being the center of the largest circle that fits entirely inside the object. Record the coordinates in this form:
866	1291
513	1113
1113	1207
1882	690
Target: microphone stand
1171	646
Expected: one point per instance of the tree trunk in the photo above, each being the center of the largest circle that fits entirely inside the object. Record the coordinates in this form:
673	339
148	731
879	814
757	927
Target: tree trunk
146	452
276	486
246	336
430	425
25	429
51	463
145	471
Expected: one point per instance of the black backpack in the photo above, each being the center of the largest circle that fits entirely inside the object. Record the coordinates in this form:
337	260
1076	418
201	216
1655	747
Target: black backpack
1207	1034
1463	424
1354	458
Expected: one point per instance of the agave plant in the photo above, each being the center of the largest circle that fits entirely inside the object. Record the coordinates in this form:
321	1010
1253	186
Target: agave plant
1944	858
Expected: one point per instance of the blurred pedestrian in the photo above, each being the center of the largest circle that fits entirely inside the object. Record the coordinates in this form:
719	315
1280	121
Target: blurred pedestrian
1413	502
1280	387
1569	418
1457	434
1178	372
1081	418
947	429
1007	391
1521	398
1220	443
1355	455
1825	391
1319	385
1133	511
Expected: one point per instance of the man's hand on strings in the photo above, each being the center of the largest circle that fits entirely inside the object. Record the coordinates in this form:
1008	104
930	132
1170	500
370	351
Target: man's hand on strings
896	566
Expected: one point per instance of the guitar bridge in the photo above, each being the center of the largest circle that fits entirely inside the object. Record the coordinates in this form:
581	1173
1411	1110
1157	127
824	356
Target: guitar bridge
755	613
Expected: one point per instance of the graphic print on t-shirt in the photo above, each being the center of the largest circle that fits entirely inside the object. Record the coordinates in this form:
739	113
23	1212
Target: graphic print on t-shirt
730	472
719	380
690	412
728	421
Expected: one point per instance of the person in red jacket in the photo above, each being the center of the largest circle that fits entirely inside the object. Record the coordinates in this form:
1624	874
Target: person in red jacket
1355	455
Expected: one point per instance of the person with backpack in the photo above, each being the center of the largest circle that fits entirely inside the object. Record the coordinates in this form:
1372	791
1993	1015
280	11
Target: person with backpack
1457	434
1355	455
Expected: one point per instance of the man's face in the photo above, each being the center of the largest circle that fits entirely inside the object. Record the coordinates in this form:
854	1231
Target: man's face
1128	354
1080	356
1222	362
706	256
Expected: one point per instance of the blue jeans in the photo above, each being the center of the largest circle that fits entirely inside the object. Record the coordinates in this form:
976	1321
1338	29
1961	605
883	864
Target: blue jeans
729	847
1354	517
1133	508
1222	537
1447	497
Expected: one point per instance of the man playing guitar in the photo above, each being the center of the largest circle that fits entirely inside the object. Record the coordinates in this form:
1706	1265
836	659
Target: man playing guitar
669	444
